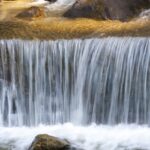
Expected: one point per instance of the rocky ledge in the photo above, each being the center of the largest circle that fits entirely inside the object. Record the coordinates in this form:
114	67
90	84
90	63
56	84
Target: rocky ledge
69	29
85	19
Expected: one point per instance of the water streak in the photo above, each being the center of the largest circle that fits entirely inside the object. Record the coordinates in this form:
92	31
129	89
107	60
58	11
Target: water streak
106	81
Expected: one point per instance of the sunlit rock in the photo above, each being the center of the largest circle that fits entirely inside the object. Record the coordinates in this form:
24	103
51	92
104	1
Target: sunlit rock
32	12
47	142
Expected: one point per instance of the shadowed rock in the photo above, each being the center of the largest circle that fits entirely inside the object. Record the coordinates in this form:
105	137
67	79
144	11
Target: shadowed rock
51	1
108	9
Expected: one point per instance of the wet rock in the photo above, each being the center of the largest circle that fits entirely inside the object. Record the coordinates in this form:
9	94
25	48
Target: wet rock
108	9
51	1
46	142
31	12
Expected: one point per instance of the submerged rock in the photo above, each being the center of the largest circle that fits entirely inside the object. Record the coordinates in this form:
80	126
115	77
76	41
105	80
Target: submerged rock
47	142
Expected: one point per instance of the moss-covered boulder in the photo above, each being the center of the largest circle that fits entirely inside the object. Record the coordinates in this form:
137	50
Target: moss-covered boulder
47	142
108	9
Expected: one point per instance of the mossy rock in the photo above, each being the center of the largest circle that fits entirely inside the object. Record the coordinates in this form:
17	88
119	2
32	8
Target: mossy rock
47	142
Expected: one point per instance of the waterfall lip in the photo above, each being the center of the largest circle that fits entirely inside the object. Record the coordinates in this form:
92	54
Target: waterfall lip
80	39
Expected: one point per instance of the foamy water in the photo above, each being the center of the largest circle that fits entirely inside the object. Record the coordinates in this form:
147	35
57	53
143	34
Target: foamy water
94	137
58	7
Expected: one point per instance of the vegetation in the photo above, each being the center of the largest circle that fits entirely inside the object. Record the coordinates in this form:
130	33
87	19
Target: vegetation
68	29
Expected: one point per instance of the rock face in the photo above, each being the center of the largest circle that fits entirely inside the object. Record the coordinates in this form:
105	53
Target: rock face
46	142
108	9
86	8
31	12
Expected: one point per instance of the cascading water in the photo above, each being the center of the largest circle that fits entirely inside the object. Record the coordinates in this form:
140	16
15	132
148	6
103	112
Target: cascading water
98	80
102	81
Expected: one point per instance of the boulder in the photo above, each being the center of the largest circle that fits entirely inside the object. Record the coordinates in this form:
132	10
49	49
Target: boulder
47	142
31	12
86	8
108	9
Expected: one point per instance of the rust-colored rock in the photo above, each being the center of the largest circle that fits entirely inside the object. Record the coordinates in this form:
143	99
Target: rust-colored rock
32	12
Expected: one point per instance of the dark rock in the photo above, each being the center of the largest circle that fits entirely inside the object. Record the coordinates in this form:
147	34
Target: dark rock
51	1
125	9
86	8
108	9
46	142
31	12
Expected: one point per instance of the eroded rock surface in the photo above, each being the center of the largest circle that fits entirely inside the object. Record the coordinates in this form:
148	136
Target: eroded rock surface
47	142
32	12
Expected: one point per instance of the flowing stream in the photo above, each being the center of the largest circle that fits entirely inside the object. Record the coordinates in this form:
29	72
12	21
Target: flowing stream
94	92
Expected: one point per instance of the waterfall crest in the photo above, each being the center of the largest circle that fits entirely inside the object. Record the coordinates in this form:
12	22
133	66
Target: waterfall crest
81	81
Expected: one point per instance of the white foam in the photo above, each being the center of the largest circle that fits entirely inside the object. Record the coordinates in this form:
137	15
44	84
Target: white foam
60	6
92	137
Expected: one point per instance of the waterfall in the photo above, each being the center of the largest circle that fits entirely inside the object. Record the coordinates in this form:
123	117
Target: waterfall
105	81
